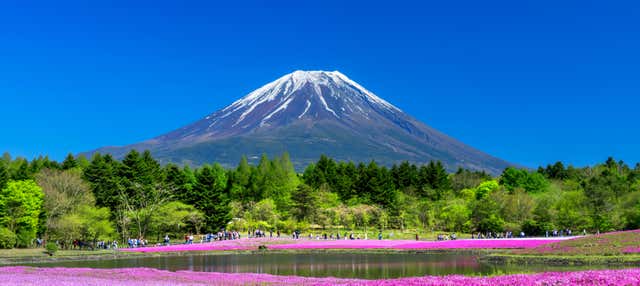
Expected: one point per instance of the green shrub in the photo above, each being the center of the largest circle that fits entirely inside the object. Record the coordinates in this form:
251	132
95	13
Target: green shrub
25	238
51	248
7	238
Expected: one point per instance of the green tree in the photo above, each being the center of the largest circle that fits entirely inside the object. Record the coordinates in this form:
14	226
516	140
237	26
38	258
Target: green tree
283	181
177	182
86	223
572	211
176	217
456	216
513	178
486	188
240	183
22	172
141	191
535	183
101	174
600	200
69	162
465	179
20	206
64	192
485	216
4	175
265	215
96	223
209	195
305	202
346	177
434	181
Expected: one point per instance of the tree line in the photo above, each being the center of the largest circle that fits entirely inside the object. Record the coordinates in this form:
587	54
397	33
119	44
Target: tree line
105	199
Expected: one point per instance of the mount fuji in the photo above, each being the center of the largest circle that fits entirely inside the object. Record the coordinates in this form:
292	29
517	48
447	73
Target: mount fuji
309	113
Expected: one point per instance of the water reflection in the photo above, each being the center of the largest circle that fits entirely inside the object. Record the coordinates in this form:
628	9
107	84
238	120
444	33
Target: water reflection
369	266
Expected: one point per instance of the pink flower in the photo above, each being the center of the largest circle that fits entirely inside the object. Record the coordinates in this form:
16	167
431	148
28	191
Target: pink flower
145	276
252	244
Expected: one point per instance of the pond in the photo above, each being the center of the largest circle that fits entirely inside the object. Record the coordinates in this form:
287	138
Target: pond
342	265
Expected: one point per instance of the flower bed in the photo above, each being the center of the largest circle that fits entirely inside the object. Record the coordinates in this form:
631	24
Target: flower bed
144	276
287	244
408	244
240	244
609	244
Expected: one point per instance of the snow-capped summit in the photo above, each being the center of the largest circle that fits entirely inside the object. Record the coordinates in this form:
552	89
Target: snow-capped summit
320	93
309	113
300	95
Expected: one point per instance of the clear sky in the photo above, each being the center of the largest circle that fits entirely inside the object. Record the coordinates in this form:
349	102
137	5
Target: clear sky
532	82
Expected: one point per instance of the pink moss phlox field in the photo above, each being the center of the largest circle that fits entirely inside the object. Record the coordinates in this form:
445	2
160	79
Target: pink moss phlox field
20	275
225	245
408	244
286	244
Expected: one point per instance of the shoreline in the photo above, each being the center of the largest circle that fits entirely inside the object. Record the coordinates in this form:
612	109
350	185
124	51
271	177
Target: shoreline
133	255
490	251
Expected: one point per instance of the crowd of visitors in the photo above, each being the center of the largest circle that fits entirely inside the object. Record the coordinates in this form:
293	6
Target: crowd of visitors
452	236
137	242
562	232
332	236
493	235
258	233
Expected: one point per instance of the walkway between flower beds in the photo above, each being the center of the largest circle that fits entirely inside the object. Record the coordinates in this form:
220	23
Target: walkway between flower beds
26	276
285	244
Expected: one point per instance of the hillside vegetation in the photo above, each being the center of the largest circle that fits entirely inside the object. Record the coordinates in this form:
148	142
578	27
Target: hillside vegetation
137	197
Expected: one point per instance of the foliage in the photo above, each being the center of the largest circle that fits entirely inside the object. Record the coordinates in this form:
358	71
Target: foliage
8	238
138	197
4	175
513	178
305	202
87	223
209	195
64	193
20	207
177	216
51	248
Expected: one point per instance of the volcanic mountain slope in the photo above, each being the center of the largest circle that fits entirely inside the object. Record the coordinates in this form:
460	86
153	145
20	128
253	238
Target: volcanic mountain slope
309	113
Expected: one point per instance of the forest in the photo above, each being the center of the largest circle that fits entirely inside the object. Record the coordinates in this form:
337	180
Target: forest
102	198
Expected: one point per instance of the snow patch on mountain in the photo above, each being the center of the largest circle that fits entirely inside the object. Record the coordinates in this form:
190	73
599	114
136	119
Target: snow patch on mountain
280	108
306	108
323	83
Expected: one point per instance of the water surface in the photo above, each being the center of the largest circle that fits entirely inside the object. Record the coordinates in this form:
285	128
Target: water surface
343	265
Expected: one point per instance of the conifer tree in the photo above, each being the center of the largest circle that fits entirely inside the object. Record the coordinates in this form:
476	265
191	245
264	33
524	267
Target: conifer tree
69	162
4	175
103	180
209	196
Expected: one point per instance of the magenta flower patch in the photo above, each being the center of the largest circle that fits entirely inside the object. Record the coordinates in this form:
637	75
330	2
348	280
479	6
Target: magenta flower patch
145	276
287	244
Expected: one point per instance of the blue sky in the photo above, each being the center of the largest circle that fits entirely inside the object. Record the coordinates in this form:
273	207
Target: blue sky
532	82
